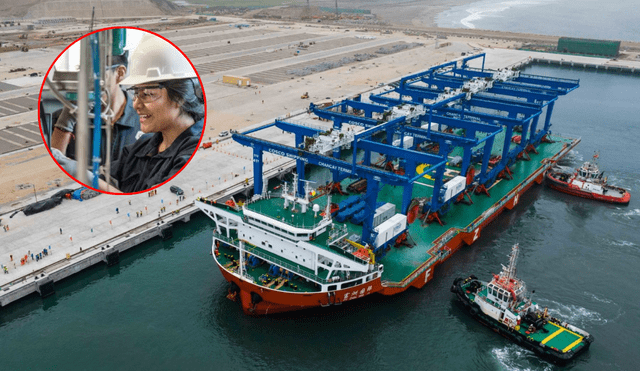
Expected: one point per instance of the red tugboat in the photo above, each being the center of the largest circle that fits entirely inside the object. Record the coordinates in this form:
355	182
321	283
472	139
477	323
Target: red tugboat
588	182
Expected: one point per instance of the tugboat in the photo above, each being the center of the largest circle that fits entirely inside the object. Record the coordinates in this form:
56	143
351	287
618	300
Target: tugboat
502	305
588	182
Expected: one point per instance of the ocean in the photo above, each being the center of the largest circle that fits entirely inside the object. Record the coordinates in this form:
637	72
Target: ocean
614	20
164	305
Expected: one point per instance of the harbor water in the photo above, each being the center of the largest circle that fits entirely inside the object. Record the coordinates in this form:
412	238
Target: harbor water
164	305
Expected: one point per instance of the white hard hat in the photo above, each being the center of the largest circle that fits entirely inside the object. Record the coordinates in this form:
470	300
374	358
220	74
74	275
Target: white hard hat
154	59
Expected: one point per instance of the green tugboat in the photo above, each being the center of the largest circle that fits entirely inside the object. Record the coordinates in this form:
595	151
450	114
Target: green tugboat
502	305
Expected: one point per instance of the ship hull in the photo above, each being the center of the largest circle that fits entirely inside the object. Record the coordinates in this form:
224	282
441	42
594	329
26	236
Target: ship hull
425	272
257	300
545	352
565	187
272	301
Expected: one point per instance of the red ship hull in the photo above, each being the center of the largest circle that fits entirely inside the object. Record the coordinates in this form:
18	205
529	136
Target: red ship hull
258	300
567	188
425	272
272	301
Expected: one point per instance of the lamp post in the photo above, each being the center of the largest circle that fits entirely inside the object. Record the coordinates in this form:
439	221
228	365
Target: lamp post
34	190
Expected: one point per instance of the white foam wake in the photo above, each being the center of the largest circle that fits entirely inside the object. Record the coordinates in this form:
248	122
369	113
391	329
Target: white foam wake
597	298
514	358
630	213
575	314
622	243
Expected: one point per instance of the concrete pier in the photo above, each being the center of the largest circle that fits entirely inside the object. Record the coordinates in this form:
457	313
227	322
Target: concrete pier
82	234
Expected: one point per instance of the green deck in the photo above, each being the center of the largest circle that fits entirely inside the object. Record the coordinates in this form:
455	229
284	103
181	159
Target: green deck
300	284
552	335
401	262
274	208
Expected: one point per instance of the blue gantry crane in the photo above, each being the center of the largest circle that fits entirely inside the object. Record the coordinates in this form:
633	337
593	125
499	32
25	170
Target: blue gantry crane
418	124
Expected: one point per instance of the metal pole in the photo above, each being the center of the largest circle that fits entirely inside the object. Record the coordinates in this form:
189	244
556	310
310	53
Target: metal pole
82	126
97	107
109	46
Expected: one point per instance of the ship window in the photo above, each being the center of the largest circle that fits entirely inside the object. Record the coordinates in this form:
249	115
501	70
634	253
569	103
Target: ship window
332	287
348	284
500	295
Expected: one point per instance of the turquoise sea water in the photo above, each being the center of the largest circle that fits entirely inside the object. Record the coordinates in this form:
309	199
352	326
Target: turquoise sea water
615	19
164	307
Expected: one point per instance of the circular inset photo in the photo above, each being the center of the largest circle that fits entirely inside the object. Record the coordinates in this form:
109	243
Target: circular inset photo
122	110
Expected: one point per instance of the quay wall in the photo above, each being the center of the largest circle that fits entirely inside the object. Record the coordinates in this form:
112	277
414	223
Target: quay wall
42	281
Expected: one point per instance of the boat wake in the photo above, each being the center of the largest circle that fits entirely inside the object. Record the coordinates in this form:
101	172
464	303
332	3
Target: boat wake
515	358
629	214
596	298
575	314
623	243
571	159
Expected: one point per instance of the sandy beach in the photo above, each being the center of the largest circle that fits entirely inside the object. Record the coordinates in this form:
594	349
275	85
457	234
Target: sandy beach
418	13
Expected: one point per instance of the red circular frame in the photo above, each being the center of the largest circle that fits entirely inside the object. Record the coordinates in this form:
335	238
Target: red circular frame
204	97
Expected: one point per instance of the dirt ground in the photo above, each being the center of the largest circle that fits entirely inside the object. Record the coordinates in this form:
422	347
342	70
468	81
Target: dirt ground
28	167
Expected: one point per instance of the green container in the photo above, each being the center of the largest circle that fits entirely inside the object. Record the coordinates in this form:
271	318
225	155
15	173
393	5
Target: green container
606	48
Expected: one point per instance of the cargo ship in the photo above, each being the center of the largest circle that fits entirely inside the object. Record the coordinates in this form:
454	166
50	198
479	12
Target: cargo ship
587	182
404	176
503	306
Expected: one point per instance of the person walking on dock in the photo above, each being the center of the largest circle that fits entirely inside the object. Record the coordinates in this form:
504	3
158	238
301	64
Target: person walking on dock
117	211
60	230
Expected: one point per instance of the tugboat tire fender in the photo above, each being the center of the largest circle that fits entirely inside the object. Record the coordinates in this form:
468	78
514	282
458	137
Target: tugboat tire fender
255	298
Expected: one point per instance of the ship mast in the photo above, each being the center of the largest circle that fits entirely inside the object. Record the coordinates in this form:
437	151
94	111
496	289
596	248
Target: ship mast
513	259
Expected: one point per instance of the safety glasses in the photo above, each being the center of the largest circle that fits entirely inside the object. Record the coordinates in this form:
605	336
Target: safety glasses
147	94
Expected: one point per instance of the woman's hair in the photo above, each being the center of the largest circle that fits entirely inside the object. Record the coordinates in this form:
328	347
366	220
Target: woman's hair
188	94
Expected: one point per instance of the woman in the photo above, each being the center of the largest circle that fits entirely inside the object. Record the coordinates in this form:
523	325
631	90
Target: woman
169	101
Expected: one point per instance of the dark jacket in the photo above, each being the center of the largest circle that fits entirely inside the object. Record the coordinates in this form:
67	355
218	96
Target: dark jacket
123	133
141	167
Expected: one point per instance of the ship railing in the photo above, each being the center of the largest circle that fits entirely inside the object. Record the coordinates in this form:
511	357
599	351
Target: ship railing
337	233
282	263
549	78
229	240
284	220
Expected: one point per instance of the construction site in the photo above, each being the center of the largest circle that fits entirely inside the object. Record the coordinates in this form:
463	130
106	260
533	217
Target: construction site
252	69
